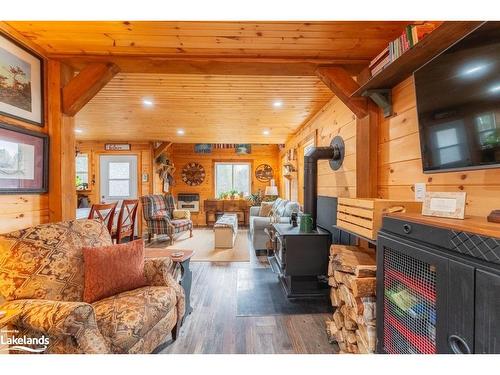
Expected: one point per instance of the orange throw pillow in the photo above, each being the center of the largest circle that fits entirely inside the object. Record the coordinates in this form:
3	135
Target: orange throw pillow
114	269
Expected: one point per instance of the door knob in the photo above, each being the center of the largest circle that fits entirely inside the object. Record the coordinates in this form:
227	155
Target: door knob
407	228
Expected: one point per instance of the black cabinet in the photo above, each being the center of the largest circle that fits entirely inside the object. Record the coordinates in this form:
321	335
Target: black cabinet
487	313
435	299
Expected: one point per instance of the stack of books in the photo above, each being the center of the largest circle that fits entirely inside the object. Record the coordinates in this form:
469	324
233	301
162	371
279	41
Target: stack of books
410	36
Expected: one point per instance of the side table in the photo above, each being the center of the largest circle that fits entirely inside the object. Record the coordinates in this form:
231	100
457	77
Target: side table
186	274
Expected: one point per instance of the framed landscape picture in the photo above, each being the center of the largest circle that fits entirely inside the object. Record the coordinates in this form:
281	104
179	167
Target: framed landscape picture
21	82
23	161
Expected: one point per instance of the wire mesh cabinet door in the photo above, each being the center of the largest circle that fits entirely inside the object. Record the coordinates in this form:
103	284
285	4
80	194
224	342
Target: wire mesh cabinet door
412	298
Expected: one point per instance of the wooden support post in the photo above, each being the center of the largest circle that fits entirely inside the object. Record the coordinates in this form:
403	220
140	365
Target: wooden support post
80	89
340	82
61	128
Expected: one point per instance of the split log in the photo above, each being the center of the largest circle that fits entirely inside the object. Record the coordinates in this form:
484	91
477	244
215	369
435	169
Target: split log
338	318
351	260
368	336
332	282
349	323
331	330
330	266
335	297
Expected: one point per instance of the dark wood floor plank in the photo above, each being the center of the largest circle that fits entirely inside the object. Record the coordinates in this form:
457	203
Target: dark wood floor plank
213	326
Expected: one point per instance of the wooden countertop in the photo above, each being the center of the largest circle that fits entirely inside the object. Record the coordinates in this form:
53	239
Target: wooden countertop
471	224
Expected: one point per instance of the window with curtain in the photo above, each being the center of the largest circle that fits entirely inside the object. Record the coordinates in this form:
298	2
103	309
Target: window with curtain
232	176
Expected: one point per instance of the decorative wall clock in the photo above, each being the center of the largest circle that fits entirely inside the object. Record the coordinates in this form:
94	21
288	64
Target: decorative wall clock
193	174
264	173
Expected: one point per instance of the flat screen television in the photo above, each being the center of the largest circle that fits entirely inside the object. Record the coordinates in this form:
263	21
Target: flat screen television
458	104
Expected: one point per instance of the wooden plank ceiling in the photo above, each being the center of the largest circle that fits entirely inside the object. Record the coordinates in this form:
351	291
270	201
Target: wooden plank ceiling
215	80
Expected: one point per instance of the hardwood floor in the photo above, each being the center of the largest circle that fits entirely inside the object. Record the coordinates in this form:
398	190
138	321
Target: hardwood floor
213	327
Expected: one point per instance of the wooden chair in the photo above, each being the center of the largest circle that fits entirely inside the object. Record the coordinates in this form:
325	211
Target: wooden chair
126	220
104	213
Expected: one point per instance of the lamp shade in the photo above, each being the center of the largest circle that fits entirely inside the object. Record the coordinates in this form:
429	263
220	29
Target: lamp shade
271	190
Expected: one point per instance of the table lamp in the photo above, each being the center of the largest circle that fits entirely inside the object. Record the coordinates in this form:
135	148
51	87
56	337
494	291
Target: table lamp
271	191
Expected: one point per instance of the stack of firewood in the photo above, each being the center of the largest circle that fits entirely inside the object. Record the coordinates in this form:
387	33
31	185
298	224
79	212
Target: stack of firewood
351	274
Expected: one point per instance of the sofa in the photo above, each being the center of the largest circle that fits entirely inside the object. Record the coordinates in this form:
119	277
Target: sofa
162	217
42	276
283	208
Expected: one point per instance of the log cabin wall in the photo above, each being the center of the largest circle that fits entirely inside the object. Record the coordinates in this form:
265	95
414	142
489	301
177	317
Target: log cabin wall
23	210
183	153
333	119
400	163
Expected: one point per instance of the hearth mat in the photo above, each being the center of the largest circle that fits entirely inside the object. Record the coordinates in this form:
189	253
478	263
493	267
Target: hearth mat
260	293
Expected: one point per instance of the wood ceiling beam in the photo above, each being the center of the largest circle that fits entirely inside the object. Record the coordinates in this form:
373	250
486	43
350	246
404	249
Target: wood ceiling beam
341	83
212	65
164	146
84	86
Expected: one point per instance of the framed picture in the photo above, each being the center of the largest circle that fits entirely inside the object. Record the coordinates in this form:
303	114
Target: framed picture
203	148
21	82
243	149
444	204
24	156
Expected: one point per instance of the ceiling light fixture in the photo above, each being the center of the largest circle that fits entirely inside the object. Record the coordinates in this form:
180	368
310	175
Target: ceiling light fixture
266	132
147	102
180	132
277	103
78	131
495	89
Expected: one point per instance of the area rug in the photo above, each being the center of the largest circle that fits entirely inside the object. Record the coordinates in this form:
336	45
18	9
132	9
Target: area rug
260	293
202	243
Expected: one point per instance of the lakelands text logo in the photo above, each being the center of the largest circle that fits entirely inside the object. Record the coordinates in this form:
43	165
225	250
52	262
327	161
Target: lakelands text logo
22	343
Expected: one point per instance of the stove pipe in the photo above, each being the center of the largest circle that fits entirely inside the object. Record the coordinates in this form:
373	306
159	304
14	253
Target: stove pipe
334	153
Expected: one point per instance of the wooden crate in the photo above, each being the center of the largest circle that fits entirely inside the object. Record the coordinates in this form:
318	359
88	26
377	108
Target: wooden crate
363	216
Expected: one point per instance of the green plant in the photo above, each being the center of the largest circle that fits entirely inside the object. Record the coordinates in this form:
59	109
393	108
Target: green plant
255	198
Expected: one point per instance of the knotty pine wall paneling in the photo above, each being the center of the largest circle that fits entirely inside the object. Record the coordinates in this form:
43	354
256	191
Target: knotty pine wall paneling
183	153
400	164
333	119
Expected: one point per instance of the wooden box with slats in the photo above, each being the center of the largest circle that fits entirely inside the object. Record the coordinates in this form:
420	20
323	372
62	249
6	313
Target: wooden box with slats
363	216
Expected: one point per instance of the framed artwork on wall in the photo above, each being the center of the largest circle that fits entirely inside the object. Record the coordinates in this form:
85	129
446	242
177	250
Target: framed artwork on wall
24	156
243	149
21	82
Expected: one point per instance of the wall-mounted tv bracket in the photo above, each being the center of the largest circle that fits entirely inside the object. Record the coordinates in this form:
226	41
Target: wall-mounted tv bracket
381	97
337	144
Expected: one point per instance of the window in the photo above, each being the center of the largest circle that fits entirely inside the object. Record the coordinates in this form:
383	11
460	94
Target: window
450	143
82	170
232	176
487	130
119	179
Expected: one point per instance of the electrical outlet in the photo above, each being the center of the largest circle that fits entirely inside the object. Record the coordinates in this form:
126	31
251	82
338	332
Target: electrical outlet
420	191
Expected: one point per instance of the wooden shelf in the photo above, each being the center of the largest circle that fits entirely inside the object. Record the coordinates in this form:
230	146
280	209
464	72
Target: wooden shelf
440	39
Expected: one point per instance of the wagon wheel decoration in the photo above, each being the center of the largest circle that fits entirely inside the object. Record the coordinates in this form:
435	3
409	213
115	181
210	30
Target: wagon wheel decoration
193	174
264	173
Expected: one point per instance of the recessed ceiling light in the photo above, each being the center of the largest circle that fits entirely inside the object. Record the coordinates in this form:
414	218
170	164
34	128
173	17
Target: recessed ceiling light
266	132
147	102
277	103
495	89
79	131
180	132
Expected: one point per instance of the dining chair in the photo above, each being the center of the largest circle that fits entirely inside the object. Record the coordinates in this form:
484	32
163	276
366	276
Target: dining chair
105	213
126	220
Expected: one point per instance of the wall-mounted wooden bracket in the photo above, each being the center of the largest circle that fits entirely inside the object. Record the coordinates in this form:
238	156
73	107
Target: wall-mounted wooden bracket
381	97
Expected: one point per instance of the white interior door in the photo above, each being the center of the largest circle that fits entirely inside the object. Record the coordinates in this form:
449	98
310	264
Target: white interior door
118	175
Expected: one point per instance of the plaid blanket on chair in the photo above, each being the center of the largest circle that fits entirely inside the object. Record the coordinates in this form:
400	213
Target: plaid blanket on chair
158	213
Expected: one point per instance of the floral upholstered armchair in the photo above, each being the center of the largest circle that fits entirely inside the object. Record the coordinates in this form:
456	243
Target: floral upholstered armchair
162	218
42	276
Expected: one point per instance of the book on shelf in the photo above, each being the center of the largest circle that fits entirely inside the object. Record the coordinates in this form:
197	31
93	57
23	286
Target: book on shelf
411	35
